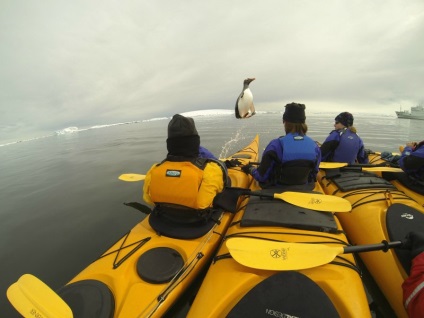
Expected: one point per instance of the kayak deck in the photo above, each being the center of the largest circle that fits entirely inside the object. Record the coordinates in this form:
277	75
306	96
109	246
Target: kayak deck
375	202
144	273
400	181
233	290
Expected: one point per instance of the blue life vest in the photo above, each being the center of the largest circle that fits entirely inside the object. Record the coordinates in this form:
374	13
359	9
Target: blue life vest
297	147
298	161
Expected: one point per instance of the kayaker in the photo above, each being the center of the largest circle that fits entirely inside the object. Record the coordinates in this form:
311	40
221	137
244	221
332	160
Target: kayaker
344	144
183	178
412	161
292	159
413	286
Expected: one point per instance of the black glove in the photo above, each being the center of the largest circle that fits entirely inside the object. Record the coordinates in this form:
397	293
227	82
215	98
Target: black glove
232	163
247	169
415	243
369	151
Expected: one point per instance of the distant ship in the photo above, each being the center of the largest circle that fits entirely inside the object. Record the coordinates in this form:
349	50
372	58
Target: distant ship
417	112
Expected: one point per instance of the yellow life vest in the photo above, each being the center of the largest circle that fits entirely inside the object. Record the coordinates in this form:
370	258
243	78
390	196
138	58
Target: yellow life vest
176	183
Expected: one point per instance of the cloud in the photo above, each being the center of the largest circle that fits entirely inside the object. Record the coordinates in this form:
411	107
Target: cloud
75	63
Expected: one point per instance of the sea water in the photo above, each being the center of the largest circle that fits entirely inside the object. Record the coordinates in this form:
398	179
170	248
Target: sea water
61	203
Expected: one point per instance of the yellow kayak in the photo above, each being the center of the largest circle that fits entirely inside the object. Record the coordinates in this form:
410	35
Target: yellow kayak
380	212
145	272
400	180
257	287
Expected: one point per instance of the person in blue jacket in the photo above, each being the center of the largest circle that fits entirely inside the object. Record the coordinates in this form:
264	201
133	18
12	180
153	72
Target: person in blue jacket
412	161
292	159
343	144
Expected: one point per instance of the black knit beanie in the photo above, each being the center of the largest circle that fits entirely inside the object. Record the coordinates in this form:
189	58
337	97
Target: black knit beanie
345	118
295	113
183	139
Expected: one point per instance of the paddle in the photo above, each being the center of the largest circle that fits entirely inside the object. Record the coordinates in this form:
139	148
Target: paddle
131	177
365	167
270	255
371	168
312	201
32	298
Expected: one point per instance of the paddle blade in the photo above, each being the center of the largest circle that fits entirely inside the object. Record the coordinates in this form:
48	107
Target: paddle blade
382	169
280	256
32	298
331	165
317	202
131	177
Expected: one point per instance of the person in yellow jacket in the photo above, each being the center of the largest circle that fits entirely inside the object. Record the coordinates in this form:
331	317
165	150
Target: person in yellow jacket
184	181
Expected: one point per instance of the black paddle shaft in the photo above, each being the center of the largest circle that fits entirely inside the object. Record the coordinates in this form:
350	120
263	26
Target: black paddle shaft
243	191
353	166
383	246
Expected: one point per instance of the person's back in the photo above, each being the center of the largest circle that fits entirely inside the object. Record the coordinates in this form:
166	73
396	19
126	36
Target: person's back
183	178
343	143
412	161
348	148
292	159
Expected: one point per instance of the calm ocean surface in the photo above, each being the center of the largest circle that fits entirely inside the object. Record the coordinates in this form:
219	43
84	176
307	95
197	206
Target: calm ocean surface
61	200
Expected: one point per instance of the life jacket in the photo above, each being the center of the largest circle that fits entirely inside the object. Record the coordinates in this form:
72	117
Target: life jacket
348	148
298	160
176	181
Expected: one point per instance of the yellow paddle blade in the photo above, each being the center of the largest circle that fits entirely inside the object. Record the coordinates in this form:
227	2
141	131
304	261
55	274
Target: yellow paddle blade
280	256
131	177
317	202
382	169
331	165
32	298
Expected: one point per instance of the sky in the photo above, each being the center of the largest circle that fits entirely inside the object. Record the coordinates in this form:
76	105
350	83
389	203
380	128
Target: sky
92	62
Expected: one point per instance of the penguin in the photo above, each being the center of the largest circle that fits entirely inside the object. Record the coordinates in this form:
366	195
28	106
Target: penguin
244	104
